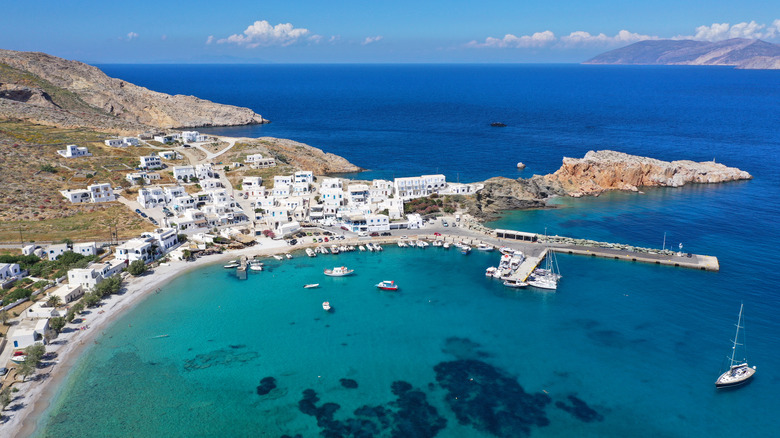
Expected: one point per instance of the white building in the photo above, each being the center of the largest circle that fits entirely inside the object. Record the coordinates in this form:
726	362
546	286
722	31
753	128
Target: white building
166	238
415	221
170	155
303	176
253	186
300	189
357	194
137	178
377	222
53	252
94	193
8	270
29	332
201	171
130	141
193	136
39	310
85	249
150	197
169	138
258	162
28	250
210	183
73	151
461	189
115	142
68	292
331	196
419	186
379	191
150	162
136	249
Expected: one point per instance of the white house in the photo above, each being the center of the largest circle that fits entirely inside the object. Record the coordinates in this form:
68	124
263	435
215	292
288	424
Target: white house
73	151
300	189
101	192
210	183
150	197
303	176
258	162
193	136
136	249
8	270
150	162
39	310
415	221
170	155
93	274
53	252
68	292
169	138
282	190
253	186
331	196
357	194
461	189
130	141
137	178
166	238
115	142
85	249
28	250
377	222
29	332
419	186
380	190
201	171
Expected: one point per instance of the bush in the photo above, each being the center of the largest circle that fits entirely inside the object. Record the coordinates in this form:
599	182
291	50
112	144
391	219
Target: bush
136	268
109	286
48	168
91	299
57	323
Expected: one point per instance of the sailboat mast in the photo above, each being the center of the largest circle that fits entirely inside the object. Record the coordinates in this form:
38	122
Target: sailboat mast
736	335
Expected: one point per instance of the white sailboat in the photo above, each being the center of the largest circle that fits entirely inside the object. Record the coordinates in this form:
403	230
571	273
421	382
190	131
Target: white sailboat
739	371
548	277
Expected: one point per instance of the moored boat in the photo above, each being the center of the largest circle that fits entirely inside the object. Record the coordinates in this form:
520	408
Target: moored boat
334	249
326	306
387	285
311	285
310	252
277	256
437	243
288	255
231	265
401	244
515	283
255	267
339	271
739	371
489	272
446	245
484	247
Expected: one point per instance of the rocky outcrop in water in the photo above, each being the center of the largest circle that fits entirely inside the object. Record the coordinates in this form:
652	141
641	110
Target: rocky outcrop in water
597	172
49	90
601	171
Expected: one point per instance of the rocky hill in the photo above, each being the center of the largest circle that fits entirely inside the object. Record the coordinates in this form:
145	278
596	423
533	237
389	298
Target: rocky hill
738	52
48	90
597	172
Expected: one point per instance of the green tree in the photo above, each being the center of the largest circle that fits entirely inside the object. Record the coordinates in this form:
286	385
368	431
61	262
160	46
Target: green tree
53	301
137	268
182	238
4	317
57	323
5	397
91	299
34	353
187	254
110	285
48	168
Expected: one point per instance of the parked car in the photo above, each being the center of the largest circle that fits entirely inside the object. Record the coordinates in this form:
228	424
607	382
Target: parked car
374	234
143	215
138	210
3	371
344	228
326	239
386	233
443	222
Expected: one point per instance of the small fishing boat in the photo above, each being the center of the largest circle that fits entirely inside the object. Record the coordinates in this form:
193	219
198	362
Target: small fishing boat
255	267
387	285
277	257
361	248
378	247
339	271
465	249
231	266
739	371
334	249
288	256
370	247
489	272
18	357
326	306
401	244
446	245
438	243
484	247
324	250
506	250
311	285
310	252
422	244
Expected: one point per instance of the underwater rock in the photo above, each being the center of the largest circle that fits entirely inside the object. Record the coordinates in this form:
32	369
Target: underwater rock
348	383
224	356
463	348
482	396
580	410
266	385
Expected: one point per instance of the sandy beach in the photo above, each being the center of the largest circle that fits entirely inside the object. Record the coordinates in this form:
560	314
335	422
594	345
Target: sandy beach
35	395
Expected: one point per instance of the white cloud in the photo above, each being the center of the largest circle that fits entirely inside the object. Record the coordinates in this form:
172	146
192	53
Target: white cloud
210	39
581	38
131	35
538	39
724	31
370	40
261	33
334	38
316	39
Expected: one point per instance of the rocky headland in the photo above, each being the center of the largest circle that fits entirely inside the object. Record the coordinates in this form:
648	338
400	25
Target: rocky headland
48	90
597	172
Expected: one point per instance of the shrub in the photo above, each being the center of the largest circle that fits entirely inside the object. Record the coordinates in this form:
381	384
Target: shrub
136	268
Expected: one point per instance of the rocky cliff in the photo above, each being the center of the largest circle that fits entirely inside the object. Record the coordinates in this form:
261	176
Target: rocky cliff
738	52
303	156
597	172
48	90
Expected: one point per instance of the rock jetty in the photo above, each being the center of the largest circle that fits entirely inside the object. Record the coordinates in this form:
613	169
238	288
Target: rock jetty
48	90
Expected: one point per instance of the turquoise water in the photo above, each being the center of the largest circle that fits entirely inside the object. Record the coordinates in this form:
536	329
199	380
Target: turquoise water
621	337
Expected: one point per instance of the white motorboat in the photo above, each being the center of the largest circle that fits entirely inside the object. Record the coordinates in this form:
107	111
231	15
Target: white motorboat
326	306
339	271
422	244
324	250
484	247
334	249
489	272
438	243
277	257
378	247
515	284
370	247
311	285
361	248
446	245
506	250
401	244
254	266
310	252
231	265
739	371
288	255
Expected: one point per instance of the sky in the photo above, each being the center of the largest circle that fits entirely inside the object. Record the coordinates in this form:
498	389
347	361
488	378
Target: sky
369	31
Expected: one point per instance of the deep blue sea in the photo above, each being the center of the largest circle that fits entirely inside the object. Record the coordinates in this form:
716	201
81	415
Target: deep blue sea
621	349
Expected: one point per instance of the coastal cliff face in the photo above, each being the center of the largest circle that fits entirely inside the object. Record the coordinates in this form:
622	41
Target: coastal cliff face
600	171
597	172
49	90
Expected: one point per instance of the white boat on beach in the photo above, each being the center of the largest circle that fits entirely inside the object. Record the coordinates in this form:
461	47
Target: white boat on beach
310	252
739	371
339	271
326	306
311	285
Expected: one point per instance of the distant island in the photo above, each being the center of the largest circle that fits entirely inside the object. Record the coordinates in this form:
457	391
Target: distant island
740	53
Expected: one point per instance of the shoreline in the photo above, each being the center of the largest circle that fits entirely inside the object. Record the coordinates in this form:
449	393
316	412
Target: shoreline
37	395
